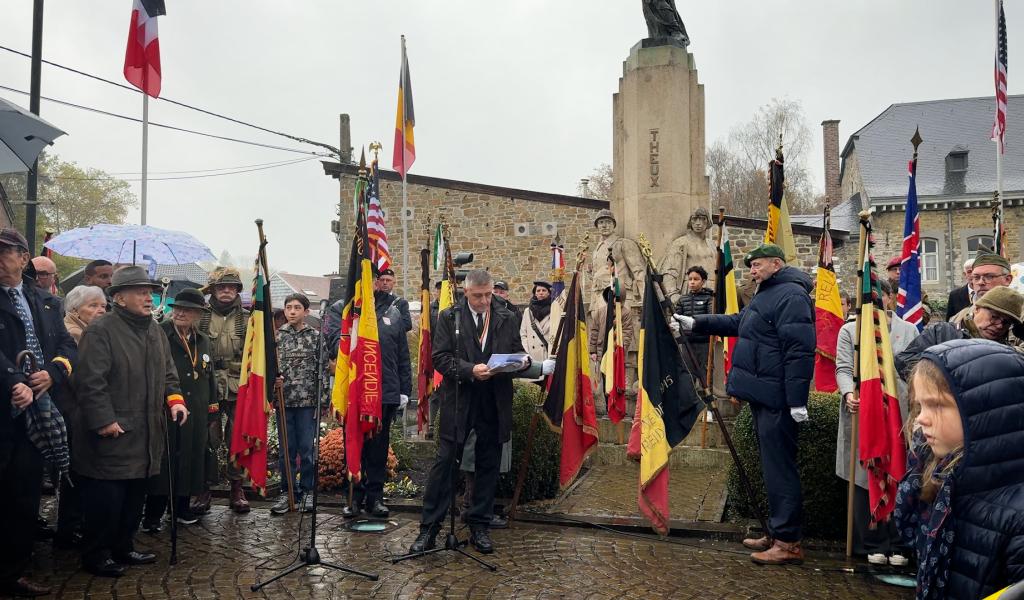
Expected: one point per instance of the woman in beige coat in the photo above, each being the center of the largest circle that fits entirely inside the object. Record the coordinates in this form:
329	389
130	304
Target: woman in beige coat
536	330
83	304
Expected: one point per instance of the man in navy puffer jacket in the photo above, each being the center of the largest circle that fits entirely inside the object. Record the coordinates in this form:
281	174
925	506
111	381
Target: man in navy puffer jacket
772	366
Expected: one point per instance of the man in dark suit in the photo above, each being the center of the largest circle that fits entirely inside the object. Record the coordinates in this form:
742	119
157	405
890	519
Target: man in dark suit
961	297
484	403
30	319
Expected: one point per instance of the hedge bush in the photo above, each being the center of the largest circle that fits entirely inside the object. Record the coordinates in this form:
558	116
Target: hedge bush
542	474
824	493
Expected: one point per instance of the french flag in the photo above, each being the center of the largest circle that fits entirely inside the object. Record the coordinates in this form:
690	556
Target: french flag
142	56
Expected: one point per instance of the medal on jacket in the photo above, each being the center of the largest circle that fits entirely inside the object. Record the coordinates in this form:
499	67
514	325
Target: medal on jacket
193	358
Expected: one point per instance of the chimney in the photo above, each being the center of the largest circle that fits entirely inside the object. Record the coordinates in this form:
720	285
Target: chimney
830	135
345	139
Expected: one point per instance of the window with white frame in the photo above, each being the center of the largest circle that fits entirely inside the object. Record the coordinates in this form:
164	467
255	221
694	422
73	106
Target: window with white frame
929	260
976	242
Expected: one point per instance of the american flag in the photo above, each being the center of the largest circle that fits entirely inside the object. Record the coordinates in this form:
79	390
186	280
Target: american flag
375	223
999	126
557	266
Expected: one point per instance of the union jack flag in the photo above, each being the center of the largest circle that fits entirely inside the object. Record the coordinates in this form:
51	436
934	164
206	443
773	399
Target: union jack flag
999	126
908	300
378	235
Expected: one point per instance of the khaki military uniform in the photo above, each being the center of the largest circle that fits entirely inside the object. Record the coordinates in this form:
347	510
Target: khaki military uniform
227	338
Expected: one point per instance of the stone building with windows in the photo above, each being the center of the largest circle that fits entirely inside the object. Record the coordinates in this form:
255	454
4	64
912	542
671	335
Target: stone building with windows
956	182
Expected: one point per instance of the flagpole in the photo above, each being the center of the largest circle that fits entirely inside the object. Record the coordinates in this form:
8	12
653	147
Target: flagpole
719	267
405	187
145	151
854	417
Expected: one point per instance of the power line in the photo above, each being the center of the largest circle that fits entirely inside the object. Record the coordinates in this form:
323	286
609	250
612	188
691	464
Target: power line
302	140
203	176
187	171
171	127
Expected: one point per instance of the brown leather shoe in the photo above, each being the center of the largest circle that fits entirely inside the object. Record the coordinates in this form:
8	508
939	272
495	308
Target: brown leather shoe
781	553
238	502
757	544
201	503
25	587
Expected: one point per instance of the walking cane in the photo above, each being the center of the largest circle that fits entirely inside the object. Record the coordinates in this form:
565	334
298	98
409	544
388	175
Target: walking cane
172	475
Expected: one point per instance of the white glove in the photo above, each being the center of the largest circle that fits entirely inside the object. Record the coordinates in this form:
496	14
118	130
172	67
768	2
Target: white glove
402	400
548	367
685	323
799	414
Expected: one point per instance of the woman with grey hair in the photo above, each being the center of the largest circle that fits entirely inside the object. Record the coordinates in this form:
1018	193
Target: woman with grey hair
83	304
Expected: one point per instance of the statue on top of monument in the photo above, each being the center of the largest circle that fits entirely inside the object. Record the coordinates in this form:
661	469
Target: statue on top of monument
693	248
663	21
630	265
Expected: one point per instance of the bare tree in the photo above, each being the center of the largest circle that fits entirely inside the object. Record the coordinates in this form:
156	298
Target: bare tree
738	166
599	184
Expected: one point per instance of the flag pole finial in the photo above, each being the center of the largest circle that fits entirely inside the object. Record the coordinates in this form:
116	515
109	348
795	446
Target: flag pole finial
917	139
362	161
376	147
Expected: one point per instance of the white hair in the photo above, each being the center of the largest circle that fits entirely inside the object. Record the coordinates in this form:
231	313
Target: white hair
82	295
969	263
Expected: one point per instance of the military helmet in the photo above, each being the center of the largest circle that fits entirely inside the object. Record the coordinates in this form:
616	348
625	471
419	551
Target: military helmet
224	275
604	213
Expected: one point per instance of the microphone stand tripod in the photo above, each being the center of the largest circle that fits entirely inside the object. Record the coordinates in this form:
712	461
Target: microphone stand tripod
451	542
310	556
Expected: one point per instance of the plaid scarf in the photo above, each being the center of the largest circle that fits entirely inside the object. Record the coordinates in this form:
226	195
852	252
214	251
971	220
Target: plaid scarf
929	527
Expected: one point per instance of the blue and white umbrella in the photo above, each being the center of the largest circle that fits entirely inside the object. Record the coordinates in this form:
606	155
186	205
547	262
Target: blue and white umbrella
130	244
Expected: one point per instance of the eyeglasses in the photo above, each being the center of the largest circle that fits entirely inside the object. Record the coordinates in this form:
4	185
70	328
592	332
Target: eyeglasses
986	277
42	274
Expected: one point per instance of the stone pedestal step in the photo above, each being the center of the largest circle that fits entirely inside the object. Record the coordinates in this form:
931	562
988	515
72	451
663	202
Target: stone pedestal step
681	456
612	433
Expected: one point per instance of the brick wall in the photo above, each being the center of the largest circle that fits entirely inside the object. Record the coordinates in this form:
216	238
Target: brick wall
830	144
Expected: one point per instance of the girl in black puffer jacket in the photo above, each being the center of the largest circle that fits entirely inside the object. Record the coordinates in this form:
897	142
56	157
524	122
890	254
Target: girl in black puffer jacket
698	300
961	503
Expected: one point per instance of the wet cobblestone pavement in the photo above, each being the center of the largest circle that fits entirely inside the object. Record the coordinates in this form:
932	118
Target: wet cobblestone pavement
224	554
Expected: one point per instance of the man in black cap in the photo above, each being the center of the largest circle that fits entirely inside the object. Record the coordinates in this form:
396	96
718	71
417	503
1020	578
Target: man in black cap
386	283
501	293
31	427
772	366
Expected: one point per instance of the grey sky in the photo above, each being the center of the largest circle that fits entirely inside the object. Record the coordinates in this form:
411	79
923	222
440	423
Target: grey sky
513	93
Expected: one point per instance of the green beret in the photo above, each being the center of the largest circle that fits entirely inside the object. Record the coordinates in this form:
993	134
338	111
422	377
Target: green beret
764	251
991	259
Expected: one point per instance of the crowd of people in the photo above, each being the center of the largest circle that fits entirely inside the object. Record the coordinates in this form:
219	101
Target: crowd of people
958	508
133	415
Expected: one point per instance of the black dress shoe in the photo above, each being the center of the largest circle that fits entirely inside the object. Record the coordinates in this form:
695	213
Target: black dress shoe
25	587
136	558
498	522
67	541
380	510
43	531
424	541
107	568
350	512
481	540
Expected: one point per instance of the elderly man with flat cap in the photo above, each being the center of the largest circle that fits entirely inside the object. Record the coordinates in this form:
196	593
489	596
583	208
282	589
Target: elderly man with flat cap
127	390
772	366
31	426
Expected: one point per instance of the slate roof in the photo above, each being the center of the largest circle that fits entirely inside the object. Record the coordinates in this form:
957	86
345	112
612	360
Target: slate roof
315	287
883	148
844	216
187	272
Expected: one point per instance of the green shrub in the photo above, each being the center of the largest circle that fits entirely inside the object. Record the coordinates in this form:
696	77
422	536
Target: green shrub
400	446
824	493
542	474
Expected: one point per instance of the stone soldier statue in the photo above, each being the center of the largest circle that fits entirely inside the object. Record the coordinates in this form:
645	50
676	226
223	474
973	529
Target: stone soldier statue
693	248
225	324
629	264
663	21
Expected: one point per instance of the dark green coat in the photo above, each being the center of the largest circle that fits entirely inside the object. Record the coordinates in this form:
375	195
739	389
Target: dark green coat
199	394
125	375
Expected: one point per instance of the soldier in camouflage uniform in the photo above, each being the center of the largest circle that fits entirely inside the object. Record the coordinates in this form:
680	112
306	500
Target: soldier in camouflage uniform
225	325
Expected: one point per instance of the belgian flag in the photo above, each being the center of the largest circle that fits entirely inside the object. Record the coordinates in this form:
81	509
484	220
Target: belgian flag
405	121
569	406
248	444
669	406
357	378
425	365
726	299
779	231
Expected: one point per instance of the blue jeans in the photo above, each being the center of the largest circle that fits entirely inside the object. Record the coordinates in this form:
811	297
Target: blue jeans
302	427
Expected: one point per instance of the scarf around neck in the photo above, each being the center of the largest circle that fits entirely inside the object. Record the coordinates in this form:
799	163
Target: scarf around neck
540	309
137	322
